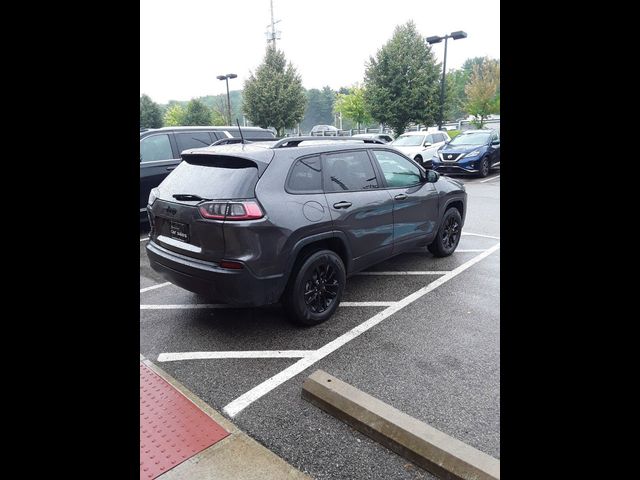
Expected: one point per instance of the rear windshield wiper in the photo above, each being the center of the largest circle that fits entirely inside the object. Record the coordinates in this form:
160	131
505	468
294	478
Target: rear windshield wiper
189	196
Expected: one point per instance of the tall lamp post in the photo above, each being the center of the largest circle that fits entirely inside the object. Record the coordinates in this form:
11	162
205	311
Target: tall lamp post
226	78
436	39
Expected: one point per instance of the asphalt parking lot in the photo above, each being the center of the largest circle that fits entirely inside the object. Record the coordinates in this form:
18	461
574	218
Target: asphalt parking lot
420	333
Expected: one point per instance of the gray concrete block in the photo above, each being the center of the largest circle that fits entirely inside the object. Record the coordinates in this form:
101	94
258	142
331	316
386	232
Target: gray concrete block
409	437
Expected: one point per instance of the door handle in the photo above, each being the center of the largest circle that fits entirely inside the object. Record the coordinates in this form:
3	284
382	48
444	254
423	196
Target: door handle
401	196
341	205
170	168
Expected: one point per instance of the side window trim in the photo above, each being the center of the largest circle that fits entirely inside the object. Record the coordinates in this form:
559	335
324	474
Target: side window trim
325	170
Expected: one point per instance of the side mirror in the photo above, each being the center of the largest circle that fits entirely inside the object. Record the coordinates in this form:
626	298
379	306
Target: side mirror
432	176
427	144
495	142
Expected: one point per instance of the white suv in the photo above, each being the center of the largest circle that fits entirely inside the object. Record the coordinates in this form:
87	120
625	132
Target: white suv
421	146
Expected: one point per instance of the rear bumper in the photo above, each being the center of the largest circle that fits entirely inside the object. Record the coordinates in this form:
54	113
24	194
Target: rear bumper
221	285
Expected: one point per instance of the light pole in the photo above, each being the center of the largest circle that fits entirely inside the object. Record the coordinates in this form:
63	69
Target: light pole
226	79
431	40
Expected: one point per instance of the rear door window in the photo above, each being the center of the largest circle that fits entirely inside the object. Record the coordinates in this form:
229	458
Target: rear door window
306	176
188	140
348	171
155	147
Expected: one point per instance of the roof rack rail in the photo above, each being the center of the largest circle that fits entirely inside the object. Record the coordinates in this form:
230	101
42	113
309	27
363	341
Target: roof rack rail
295	141
227	141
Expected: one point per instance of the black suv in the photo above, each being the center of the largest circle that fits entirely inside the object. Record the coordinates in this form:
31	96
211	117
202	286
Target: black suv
255	224
160	150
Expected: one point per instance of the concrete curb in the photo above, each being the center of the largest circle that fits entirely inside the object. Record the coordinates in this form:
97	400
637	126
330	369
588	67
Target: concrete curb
236	456
427	447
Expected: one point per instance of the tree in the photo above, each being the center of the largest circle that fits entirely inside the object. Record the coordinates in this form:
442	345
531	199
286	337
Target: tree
353	106
150	113
401	82
455	98
274	96
174	116
483	91
319	109
197	113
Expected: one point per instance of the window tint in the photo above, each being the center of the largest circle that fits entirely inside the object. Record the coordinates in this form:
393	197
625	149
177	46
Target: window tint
438	137
349	171
398	171
188	140
306	175
155	147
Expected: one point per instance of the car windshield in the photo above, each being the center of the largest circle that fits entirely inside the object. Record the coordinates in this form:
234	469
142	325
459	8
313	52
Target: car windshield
479	138
409	140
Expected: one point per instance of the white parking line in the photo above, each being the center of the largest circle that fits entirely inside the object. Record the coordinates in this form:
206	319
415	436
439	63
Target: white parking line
409	272
489	179
243	401
143	239
470	250
480	235
366	304
172	357
190	306
153	287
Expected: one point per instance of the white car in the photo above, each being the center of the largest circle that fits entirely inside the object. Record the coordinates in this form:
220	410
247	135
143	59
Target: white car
421	146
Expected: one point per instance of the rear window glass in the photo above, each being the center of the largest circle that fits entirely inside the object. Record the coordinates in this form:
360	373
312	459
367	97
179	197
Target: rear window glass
209	181
306	176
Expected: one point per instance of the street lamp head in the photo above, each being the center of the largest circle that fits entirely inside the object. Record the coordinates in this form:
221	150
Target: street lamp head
458	35
221	77
435	39
231	75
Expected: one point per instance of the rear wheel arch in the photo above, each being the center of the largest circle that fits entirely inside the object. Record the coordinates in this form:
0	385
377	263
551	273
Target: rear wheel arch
305	247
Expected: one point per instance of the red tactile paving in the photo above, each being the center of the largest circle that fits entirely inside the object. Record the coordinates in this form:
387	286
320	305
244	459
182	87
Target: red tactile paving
172	428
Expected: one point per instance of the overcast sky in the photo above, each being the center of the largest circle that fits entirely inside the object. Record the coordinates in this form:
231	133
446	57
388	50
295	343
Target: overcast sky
185	44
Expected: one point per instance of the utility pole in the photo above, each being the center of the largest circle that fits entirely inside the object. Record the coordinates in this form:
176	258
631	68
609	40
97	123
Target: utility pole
273	35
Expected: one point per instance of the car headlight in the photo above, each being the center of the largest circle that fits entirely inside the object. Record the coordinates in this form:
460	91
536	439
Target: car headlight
471	154
152	196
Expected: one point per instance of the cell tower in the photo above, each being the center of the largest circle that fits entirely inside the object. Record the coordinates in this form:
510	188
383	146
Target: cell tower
273	34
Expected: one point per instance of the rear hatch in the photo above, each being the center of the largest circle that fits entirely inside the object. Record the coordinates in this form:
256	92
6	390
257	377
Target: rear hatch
208	181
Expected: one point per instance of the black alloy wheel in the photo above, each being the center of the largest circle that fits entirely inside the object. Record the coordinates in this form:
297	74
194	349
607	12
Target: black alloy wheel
321	288
449	234
315	287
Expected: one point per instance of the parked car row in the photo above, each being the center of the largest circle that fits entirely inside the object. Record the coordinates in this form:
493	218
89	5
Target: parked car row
160	150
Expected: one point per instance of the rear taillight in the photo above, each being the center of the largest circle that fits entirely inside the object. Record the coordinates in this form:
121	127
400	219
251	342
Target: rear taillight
245	210
216	210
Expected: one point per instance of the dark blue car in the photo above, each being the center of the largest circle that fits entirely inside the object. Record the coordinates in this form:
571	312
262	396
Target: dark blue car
474	152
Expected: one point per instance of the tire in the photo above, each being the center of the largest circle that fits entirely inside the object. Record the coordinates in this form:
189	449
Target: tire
323	275
449	234
484	168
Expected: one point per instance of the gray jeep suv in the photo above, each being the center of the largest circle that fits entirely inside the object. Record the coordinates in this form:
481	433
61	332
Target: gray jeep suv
253	224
